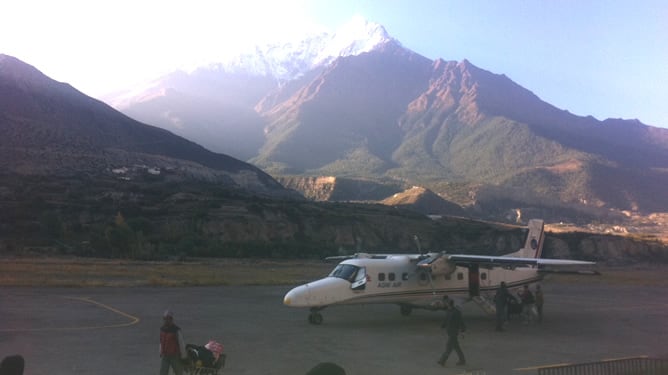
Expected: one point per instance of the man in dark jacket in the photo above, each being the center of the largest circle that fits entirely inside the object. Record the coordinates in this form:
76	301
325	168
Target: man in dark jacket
326	368
172	347
12	365
453	324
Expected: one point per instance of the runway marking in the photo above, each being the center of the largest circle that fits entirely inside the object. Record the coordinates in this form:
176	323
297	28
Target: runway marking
533	368
133	320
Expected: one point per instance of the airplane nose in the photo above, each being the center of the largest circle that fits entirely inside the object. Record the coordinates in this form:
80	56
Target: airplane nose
287	300
297	296
321	292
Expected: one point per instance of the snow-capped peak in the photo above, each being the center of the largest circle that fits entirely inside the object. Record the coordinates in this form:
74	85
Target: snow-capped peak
290	60
355	37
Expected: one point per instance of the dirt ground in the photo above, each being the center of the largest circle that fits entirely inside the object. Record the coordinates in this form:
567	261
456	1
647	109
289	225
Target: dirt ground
91	272
112	330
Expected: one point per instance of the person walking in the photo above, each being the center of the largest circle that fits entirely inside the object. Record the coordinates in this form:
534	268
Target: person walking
528	304
172	346
539	303
501	303
453	324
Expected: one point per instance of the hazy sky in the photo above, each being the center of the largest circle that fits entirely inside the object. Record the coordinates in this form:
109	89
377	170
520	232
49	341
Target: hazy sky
602	58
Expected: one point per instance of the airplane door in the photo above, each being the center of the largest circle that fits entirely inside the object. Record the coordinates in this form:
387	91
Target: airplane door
474	280
360	280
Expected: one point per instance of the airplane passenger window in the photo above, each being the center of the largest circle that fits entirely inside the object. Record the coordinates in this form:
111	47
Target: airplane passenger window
404	276
483	276
391	276
381	277
460	276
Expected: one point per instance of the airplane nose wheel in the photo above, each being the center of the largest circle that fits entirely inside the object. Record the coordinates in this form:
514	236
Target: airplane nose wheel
315	317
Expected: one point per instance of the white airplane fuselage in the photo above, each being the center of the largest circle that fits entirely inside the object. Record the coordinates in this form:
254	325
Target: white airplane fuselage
422	280
393	279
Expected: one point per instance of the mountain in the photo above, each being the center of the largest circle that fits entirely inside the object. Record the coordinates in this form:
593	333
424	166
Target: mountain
330	188
483	127
213	103
50	128
79	178
344	120
374	109
423	200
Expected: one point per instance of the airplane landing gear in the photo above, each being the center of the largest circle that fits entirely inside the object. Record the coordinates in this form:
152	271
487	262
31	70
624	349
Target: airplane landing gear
405	310
315	317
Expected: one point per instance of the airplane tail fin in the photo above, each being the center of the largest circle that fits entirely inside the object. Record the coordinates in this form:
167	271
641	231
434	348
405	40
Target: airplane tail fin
533	246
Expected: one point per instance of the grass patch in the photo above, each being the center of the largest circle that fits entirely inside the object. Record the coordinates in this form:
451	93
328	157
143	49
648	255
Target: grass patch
77	272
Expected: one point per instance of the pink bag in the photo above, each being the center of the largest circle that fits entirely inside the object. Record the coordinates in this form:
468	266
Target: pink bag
215	347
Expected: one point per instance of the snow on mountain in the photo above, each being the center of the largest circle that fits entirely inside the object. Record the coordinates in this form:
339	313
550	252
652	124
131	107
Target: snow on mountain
356	37
280	62
290	60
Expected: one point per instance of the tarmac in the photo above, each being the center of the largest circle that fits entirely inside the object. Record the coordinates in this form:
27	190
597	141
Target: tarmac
104	331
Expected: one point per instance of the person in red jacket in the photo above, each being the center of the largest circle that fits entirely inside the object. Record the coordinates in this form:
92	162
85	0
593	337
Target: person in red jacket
172	347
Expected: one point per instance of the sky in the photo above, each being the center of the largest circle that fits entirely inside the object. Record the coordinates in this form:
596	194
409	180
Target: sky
605	58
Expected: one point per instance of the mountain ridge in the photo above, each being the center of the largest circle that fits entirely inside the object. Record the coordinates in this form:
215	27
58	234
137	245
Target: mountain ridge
389	113
79	178
40	114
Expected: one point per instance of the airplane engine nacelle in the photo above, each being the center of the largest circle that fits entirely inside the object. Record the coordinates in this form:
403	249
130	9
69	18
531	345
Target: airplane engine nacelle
442	267
438	266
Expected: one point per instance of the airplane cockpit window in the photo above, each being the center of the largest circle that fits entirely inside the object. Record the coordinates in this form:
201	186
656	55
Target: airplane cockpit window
345	271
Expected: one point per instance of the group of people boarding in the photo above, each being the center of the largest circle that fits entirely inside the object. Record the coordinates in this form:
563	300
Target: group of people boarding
531	305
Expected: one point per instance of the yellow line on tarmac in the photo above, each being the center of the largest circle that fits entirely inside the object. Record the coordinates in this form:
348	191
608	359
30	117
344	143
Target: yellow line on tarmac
133	320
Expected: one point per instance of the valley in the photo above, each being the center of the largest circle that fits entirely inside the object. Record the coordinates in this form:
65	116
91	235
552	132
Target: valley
355	149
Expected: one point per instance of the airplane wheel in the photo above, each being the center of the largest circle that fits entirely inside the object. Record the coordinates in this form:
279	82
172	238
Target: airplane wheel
315	318
406	310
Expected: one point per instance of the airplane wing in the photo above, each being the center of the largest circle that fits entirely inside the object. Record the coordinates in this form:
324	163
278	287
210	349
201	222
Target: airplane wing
445	263
412	257
502	261
339	258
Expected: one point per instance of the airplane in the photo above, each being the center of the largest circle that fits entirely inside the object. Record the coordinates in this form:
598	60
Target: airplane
422	280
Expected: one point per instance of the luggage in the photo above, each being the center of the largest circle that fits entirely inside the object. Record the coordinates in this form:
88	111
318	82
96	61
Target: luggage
514	307
200	355
205	360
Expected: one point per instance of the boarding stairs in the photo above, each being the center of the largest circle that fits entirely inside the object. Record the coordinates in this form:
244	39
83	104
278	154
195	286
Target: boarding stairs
485	304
